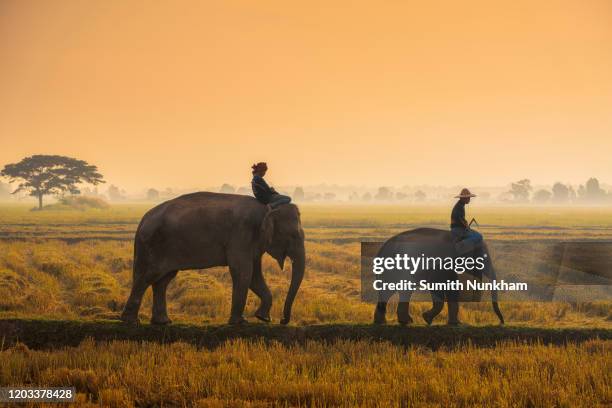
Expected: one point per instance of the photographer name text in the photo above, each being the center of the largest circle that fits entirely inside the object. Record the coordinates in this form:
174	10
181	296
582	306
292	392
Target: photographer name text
449	285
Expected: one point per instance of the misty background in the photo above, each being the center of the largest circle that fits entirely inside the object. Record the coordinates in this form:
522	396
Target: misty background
521	192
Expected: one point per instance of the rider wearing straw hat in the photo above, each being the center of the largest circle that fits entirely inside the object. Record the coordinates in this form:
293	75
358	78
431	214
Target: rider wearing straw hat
460	229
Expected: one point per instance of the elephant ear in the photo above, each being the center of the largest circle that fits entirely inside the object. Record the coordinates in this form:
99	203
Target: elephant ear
267	238
266	233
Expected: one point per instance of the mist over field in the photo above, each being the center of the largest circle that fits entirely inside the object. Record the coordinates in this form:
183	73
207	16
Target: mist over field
590	193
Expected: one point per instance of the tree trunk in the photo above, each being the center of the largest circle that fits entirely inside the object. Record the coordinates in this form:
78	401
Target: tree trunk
40	201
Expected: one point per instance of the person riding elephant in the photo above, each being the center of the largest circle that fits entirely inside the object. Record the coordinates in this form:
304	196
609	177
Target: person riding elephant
262	191
460	228
203	230
466	239
461	240
434	244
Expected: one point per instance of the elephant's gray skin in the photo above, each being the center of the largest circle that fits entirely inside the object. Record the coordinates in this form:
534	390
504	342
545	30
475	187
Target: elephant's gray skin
432	242
203	230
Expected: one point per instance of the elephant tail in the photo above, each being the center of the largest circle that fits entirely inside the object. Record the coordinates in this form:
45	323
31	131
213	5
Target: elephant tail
492	275
494	297
498	312
138	266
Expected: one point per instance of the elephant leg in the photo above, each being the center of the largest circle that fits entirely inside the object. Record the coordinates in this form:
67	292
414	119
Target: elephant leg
380	313
242	272
160	311
403	308
260	288
132	306
438	305
453	308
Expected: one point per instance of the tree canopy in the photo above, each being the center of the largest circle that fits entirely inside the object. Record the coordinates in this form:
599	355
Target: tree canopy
41	175
520	190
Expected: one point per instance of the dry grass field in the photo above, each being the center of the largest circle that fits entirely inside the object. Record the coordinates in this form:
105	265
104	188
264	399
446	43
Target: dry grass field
344	373
76	265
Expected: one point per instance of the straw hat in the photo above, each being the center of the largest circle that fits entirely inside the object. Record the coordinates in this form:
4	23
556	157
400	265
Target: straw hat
465	193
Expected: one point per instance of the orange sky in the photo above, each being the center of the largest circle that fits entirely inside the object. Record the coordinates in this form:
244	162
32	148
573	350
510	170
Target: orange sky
189	94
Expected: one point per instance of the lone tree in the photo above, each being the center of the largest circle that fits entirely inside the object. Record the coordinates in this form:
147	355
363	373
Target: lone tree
42	175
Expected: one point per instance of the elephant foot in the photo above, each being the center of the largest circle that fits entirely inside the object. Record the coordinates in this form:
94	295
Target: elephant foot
404	321
164	321
380	319
403	316
263	313
285	321
455	323
428	318
129	319
238	320
263	318
380	313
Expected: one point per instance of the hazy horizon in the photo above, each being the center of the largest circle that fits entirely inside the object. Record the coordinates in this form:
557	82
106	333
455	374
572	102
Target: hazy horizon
191	93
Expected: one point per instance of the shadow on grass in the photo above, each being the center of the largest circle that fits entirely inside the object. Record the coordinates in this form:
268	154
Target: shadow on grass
48	334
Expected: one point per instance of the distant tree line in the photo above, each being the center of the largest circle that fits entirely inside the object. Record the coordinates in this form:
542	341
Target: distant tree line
559	193
42	175
520	192
386	194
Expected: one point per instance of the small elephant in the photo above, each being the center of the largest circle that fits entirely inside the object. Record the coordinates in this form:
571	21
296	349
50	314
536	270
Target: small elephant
431	243
203	230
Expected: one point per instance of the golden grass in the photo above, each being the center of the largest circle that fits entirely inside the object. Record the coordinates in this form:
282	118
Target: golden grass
56	279
77	265
343	373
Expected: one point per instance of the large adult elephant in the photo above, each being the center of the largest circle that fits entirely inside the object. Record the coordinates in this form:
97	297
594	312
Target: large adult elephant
431	243
203	230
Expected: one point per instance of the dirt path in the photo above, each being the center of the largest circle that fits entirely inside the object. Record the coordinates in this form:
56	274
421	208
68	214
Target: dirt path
46	334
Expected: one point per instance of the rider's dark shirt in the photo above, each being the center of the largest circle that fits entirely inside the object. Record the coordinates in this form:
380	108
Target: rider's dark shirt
261	190
458	215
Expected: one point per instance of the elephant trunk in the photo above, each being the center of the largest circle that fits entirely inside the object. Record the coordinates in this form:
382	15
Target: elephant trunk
493	277
297	274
